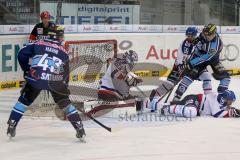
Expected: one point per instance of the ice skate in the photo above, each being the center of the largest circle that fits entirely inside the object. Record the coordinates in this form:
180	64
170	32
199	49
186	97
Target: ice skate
11	131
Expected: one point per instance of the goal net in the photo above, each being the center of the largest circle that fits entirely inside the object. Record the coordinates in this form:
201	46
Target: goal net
88	63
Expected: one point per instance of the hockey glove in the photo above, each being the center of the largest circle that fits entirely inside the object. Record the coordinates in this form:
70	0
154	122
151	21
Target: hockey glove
181	67
132	79
188	66
236	112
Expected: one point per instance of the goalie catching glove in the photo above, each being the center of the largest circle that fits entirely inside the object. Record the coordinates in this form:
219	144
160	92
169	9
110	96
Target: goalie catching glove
132	79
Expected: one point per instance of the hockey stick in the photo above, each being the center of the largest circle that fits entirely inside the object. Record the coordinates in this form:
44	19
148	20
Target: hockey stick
96	121
179	78
143	94
170	91
169	95
106	105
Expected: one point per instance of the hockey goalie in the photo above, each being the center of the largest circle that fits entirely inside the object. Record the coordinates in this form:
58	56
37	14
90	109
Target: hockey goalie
114	86
118	79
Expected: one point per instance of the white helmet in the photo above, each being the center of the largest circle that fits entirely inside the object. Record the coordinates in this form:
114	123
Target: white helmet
131	56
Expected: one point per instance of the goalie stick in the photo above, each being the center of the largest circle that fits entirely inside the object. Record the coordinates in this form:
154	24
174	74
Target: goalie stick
108	105
90	107
96	121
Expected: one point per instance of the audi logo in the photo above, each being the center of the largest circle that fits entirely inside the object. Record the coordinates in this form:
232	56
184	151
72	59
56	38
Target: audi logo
230	52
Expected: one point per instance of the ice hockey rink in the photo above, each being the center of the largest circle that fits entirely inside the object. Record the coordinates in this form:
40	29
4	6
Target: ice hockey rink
171	139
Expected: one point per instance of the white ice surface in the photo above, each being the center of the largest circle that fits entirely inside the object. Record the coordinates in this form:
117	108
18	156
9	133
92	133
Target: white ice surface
202	138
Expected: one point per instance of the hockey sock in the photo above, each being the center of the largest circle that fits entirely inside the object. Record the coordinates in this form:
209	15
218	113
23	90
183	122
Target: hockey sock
186	81
17	113
164	88
153	93
183	111
224	83
73	116
207	86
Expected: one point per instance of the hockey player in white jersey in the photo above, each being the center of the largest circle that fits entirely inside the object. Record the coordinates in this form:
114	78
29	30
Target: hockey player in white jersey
118	79
213	104
185	52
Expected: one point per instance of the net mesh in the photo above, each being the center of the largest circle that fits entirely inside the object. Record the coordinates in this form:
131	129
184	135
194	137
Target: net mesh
88	63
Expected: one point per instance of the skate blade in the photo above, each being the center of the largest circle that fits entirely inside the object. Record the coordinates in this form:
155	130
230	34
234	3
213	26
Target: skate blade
10	137
82	140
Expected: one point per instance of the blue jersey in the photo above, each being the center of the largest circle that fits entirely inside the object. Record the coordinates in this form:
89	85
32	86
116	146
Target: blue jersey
49	64
207	51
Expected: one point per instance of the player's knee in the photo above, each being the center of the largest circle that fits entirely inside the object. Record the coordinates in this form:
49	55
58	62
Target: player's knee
190	112
25	101
63	102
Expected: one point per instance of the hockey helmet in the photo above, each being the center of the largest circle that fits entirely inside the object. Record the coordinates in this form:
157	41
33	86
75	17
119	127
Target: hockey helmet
131	56
192	31
45	14
57	33
229	95
209	29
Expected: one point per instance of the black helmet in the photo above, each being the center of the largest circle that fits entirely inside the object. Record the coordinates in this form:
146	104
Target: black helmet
210	29
57	33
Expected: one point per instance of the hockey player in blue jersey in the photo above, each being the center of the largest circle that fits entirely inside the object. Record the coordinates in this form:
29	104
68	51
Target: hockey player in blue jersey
185	53
207	52
185	50
49	70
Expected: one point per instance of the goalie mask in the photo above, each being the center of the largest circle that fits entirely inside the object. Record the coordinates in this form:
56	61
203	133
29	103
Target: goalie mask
131	58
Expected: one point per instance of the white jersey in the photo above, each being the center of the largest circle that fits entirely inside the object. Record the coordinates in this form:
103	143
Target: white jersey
114	79
211	106
185	50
